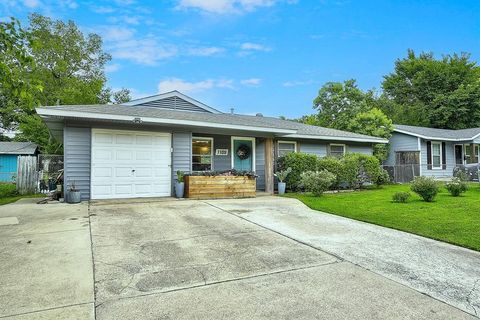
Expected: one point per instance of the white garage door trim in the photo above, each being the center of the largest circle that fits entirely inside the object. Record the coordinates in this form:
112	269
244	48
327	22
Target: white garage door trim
130	164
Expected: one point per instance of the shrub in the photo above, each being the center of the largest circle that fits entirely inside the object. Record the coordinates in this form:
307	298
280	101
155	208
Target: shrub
8	190
359	169
317	182
461	174
401	197
456	186
425	187
299	163
382	178
333	165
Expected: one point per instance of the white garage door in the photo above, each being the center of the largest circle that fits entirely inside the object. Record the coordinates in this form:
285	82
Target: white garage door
130	164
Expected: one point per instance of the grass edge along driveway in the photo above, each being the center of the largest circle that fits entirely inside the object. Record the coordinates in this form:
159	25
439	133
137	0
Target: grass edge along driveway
455	220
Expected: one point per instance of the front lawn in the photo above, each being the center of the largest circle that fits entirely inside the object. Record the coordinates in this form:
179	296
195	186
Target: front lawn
451	219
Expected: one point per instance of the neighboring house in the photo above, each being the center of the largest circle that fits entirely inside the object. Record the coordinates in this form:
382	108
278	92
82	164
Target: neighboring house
134	149
9	152
433	152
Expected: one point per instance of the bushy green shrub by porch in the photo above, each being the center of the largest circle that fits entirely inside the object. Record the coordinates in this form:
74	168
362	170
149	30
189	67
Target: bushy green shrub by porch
299	163
317	182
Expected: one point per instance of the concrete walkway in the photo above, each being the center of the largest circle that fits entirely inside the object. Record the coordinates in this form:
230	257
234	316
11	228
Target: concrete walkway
446	272
45	261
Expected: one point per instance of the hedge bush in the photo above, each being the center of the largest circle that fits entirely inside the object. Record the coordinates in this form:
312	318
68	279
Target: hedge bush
425	187
352	171
317	182
299	163
8	190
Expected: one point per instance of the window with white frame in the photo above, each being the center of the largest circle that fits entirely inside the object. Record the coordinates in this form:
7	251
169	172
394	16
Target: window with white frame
202	154
285	147
436	155
337	150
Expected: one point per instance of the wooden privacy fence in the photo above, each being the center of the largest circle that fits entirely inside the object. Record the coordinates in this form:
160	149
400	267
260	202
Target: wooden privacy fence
27	175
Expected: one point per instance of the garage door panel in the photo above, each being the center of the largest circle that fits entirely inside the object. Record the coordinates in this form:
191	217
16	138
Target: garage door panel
102	172
103	138
124	139
128	164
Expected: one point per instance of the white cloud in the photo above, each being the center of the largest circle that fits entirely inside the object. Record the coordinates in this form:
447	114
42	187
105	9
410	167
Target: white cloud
31	3
205	51
253	82
225	6
113	33
102	9
250	46
109	68
171	84
296	83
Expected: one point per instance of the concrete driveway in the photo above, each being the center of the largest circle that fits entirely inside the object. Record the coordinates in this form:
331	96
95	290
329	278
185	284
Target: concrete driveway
263	258
45	261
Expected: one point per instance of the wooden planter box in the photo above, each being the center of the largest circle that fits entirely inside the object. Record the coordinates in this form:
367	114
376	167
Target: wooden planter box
211	187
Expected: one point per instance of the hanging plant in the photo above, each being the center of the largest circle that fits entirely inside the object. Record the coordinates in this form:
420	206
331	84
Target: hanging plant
243	152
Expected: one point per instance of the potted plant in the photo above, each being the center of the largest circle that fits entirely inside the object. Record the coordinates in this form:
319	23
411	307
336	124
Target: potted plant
281	176
73	195
180	184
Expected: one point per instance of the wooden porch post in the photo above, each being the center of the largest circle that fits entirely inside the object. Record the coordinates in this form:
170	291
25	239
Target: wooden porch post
472	153
269	181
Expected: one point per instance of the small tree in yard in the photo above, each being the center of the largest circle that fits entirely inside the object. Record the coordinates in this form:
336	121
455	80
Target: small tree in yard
317	182
425	187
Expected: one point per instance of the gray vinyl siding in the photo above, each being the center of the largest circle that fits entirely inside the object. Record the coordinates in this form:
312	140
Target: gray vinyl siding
77	154
182	153
401	142
360	148
320	148
477	140
317	148
450	157
260	163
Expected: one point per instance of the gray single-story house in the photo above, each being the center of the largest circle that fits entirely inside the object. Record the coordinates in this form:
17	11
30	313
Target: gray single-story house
134	149
433	152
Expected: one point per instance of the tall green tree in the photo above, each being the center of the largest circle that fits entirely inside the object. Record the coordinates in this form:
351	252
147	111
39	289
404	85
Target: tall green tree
18	89
337	103
51	62
439	93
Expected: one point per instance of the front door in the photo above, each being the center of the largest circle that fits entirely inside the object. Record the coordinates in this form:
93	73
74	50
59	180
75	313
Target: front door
458	154
243	154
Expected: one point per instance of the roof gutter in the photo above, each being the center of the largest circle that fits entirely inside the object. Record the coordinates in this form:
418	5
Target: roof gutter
433	138
45	112
320	137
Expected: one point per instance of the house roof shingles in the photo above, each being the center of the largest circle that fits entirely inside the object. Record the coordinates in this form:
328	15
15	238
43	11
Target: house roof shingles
18	148
448	134
222	118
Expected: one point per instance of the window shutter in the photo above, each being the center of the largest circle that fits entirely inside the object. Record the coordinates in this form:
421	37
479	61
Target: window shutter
444	156
429	155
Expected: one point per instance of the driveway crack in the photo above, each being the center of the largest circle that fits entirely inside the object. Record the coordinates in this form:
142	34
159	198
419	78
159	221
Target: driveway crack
469	296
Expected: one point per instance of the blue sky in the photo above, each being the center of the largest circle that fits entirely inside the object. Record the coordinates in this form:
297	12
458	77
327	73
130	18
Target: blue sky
261	55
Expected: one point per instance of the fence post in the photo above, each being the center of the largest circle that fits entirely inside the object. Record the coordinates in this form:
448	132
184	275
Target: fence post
26	174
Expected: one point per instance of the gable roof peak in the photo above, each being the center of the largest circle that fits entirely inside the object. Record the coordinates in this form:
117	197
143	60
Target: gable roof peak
150	101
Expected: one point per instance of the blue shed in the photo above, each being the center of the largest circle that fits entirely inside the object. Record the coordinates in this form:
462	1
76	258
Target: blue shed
9	152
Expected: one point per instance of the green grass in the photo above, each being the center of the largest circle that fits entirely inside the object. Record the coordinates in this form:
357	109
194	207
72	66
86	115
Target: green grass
8	194
451	219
